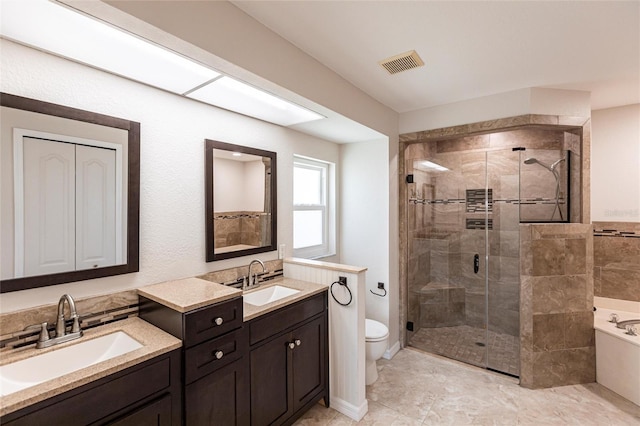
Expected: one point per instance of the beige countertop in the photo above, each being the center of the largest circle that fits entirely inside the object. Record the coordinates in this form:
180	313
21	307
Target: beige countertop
156	342
188	294
306	289
324	265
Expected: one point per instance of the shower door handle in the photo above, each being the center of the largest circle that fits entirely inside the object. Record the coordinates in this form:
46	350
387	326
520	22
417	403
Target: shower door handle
476	263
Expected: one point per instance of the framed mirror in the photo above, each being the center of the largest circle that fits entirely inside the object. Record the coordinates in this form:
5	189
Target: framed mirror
240	194
70	192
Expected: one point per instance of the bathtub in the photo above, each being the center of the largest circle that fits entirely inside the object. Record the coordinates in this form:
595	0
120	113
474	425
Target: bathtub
617	355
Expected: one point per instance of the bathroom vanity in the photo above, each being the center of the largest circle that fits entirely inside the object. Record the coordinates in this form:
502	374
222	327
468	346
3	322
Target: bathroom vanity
245	364
140	387
289	360
209	321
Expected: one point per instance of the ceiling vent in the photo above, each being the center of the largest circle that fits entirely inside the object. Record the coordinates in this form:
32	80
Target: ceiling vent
402	62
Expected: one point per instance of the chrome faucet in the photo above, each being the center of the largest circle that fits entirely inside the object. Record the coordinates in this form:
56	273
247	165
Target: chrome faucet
61	329
44	340
250	282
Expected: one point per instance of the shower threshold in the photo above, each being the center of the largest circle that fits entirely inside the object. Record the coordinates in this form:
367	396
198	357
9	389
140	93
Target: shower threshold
463	343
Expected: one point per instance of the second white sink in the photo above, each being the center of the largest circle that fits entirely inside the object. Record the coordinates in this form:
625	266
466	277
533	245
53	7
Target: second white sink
268	295
50	365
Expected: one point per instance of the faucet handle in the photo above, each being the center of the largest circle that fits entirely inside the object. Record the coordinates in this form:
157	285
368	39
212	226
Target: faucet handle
75	327
44	332
257	276
613	318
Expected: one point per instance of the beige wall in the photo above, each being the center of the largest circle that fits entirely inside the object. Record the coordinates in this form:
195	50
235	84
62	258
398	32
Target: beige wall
615	164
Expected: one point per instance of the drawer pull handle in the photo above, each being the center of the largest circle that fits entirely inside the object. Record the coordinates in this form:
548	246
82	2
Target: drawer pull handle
292	345
298	342
218	354
218	321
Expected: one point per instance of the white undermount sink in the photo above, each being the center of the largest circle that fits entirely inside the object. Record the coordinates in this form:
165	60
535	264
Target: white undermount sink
268	295
50	365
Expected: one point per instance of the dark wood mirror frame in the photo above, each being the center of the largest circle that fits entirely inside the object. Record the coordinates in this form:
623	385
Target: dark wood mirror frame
210	145
133	193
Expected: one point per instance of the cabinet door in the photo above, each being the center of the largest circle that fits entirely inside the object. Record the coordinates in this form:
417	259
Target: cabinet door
308	362
271	380
219	398
157	413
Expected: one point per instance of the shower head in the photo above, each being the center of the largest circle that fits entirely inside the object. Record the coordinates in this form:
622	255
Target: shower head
535	160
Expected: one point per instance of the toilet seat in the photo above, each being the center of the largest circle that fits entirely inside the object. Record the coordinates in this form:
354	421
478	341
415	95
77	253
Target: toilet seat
375	331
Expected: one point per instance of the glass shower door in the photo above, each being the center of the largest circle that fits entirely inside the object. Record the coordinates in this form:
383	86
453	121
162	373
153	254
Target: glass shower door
503	278
463	256
446	257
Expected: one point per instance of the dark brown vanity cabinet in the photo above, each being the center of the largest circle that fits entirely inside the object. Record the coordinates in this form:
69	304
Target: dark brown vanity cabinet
289	361
147	394
215	369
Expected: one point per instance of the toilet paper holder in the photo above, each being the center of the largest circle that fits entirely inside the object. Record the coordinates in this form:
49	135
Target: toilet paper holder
380	287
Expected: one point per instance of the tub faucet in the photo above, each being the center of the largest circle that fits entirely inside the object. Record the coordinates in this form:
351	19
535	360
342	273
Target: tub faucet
254	281
61	324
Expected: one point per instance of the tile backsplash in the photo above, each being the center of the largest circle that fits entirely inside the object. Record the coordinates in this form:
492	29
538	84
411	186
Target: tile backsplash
616	268
93	311
232	275
98	310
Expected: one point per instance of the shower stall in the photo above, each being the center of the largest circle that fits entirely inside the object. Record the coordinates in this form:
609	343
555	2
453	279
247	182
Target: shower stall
465	201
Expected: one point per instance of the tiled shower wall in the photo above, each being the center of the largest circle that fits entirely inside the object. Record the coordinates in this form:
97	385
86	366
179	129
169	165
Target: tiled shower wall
556	305
567	356
443	289
617	260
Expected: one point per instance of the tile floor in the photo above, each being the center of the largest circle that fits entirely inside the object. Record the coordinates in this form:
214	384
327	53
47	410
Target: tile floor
460	343
416	388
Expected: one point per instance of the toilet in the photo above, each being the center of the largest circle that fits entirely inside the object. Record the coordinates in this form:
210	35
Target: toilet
377	340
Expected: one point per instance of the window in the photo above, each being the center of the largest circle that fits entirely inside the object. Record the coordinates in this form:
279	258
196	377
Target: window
313	234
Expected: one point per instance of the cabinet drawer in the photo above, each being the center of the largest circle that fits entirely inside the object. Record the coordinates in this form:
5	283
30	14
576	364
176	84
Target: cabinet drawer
285	318
214	354
212	321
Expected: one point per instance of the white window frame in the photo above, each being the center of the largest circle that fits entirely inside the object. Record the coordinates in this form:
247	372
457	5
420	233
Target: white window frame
327	247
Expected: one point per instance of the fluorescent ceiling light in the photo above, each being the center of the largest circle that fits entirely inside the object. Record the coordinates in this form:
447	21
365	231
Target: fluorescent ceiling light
48	26
64	32
240	97
429	166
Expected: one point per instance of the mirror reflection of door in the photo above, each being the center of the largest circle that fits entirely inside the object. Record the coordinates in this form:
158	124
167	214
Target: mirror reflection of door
67	208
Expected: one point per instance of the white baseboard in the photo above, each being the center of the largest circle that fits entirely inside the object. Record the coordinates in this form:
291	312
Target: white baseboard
392	351
348	409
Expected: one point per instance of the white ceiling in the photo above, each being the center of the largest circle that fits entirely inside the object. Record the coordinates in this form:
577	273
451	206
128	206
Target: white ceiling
471	49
